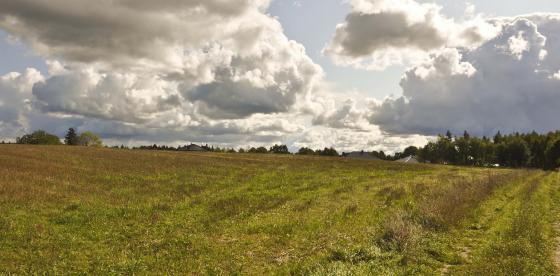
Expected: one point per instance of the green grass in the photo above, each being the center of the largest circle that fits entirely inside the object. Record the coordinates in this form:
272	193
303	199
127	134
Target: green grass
517	237
69	210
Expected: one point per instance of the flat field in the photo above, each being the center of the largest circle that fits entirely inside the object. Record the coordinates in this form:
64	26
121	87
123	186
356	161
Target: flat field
73	210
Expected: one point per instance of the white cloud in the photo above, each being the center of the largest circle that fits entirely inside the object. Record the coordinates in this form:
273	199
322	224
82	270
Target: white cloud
15	92
347	140
505	84
207	48
517	45
202	70
172	71
381	33
347	116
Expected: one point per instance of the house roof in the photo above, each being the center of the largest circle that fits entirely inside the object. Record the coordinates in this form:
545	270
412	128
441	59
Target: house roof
409	160
193	147
360	155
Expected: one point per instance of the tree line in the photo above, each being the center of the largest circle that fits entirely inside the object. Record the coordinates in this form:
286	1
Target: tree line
72	138
276	149
516	150
531	150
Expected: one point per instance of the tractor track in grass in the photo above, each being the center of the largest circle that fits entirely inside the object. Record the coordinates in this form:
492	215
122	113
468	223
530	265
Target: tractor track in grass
520	241
556	257
556	224
472	236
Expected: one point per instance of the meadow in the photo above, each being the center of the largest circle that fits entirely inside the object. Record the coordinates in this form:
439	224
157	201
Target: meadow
77	210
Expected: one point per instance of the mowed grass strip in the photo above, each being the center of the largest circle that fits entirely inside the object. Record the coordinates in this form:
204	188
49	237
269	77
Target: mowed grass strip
514	232
103	211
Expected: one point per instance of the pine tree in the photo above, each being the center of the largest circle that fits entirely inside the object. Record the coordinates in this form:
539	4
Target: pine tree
71	137
449	135
498	138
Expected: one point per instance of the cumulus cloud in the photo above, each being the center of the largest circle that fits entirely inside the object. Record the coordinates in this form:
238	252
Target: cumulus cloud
347	116
508	84
184	69
127	32
204	47
125	97
347	140
381	33
15	92
223	72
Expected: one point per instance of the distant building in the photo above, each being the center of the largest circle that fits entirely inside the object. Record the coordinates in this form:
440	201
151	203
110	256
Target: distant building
193	147
360	155
408	160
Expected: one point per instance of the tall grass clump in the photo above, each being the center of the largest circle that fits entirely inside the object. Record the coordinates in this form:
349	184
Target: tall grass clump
421	211
402	233
443	208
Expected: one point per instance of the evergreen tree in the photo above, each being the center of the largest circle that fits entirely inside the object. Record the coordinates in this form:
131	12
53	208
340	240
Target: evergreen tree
498	138
71	138
449	135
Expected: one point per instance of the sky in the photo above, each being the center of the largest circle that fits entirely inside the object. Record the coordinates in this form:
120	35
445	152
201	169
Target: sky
354	74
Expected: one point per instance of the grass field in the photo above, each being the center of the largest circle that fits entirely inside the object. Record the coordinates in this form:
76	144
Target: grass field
70	210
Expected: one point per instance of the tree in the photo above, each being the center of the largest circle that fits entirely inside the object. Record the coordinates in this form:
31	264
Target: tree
538	145
553	155
262	150
71	137
90	139
328	152
258	150
306	151
449	135
410	151
39	137
280	149
498	138
517	153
